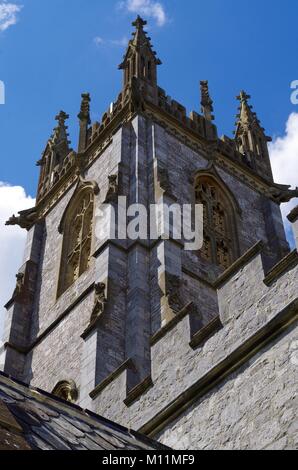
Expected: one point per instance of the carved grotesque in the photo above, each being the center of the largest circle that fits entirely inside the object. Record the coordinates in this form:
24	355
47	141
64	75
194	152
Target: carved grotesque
99	303
19	285
66	390
282	195
25	219
173	285
113	188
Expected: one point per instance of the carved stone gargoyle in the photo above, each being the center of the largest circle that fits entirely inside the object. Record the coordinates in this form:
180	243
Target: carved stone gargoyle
113	189
173	285
99	302
282	193
26	219
66	390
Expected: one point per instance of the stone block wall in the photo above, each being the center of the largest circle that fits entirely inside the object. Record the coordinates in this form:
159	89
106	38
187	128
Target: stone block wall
254	408
168	321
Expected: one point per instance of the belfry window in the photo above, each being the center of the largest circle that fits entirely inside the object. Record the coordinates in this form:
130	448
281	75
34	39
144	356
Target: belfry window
219	223
77	239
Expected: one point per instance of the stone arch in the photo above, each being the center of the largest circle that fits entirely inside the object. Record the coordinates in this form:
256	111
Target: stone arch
77	228
221	209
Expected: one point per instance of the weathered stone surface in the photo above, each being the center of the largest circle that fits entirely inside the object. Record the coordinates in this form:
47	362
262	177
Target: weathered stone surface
152	153
253	409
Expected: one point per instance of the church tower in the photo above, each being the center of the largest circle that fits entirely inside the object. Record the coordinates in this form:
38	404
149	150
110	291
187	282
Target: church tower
143	331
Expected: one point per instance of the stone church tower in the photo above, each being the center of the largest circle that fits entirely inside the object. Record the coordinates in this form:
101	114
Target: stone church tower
195	348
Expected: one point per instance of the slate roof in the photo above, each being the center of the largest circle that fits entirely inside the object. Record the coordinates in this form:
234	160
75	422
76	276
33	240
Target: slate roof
31	419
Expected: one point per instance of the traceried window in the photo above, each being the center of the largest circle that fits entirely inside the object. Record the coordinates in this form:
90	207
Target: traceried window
77	239
219	224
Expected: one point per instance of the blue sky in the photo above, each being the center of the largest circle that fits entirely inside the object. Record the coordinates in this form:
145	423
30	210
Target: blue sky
49	57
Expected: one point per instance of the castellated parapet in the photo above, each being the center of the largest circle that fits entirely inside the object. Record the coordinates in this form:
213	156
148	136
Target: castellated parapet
197	348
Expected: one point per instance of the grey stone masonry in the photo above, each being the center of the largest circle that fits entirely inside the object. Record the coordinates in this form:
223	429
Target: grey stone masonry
147	285
254	408
156	337
251	314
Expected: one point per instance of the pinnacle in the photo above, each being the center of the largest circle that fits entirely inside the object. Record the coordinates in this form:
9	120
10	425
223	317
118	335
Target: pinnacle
139	22
61	117
243	97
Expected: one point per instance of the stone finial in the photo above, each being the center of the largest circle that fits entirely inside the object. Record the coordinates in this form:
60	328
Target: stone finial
206	101
85	121
243	97
140	60
60	135
84	114
247	118
61	118
250	138
139	23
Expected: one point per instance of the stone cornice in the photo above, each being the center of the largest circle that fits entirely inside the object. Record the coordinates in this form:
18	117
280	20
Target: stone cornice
288	262
128	364
137	391
238	264
205	333
171	324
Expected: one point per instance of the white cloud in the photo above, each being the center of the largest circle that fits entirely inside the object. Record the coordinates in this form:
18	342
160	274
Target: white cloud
284	159
98	40
148	8
123	42
8	14
12	240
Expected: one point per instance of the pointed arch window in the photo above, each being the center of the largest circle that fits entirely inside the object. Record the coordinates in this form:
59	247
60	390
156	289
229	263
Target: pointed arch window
220	234
77	229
